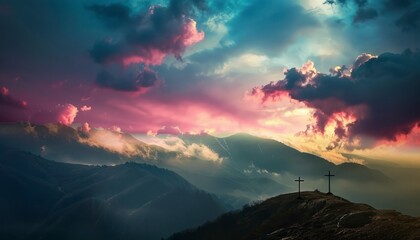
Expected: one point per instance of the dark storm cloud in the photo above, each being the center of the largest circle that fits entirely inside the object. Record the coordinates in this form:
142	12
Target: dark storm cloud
115	15
381	94
410	20
393	5
364	14
405	13
128	82
147	36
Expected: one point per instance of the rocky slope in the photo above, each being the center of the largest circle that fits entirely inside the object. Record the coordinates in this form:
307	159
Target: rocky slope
315	216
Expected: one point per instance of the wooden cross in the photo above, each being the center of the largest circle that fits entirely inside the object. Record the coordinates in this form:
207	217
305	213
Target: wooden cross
329	175
299	181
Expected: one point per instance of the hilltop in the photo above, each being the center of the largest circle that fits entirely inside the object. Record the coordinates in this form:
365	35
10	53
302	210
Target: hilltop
315	216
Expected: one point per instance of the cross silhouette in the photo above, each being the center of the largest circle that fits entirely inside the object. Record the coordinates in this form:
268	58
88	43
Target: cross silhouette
329	175
299	181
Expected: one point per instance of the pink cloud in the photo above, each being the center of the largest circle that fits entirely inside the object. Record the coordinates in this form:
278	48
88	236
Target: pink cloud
62	114
189	35
67	114
186	114
4	91
85	128
85	108
150	40
176	45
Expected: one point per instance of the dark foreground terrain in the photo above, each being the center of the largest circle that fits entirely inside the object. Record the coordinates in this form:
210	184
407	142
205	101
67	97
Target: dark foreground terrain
315	216
42	199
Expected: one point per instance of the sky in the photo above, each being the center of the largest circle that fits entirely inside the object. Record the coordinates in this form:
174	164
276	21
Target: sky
324	76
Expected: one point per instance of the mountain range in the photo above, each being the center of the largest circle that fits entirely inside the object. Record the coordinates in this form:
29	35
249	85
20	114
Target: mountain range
42	199
111	185
250	168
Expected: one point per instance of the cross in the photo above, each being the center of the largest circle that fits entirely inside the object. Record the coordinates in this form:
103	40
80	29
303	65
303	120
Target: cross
299	181
329	175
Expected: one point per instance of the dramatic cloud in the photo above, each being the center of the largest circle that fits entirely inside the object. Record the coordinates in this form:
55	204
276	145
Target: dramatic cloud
364	14
151	43
407	10
62	114
14	110
78	50
362	58
114	15
66	114
410	20
128	80
114	141
148	37
375	101
194	150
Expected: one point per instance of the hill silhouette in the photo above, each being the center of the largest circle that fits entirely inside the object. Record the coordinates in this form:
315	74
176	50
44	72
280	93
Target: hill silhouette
42	199
315	216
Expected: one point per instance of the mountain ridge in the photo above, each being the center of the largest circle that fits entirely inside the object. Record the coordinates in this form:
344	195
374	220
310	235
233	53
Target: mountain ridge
39	199
252	168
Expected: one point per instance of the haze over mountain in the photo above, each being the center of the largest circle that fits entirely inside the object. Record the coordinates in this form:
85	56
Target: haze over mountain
240	168
42	199
314	216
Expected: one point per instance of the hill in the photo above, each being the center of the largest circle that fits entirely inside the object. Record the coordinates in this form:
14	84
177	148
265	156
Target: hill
42	199
315	216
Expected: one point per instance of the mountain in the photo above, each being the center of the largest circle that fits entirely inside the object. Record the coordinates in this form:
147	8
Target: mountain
42	199
315	216
251	168
244	151
103	147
